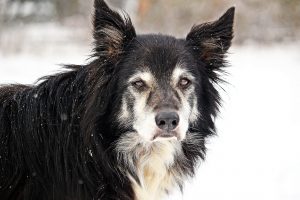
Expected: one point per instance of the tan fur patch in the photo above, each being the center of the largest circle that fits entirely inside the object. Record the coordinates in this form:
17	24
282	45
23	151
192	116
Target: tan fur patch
155	173
113	39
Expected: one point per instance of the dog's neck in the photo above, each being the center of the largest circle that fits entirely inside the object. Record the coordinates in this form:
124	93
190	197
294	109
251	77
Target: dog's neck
156	172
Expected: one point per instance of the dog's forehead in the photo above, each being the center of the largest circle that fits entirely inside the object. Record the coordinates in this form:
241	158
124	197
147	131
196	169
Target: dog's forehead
159	54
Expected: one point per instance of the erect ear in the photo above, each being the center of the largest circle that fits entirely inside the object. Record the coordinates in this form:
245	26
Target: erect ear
112	32
210	41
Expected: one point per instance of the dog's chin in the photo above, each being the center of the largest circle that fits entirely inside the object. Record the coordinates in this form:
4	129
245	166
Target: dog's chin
166	135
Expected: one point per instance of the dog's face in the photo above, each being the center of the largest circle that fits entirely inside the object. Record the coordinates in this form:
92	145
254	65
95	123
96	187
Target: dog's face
159	79
164	87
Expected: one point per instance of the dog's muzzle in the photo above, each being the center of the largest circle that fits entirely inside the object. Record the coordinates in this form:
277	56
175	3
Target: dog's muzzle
167	122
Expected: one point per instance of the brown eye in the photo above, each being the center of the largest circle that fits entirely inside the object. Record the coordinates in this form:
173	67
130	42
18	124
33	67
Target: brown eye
184	83
139	84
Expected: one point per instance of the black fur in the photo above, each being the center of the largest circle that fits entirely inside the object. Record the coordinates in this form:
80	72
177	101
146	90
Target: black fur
57	137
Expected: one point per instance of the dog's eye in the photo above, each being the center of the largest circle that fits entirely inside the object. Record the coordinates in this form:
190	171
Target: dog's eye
184	83
139	84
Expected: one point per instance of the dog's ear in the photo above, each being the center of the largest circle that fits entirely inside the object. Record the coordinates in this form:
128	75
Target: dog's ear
210	41
112	31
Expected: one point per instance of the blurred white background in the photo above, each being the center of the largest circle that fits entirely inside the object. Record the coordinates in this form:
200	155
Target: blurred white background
257	152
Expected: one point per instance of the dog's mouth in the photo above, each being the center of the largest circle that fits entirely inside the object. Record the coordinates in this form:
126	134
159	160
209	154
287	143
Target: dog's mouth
164	135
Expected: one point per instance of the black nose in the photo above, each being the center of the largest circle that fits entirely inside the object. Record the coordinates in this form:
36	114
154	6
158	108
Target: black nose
167	121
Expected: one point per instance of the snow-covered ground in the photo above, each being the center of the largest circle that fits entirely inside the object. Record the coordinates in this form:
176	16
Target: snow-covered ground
257	152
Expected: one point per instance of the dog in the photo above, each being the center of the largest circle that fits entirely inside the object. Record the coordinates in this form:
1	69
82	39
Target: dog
129	125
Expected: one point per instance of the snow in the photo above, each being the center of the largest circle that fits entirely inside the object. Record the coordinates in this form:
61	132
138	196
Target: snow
27	67
257	153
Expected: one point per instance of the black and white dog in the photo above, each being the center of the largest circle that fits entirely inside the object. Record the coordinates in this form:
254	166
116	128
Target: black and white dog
131	124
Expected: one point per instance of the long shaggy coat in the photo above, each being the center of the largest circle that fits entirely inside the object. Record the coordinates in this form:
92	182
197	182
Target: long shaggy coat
60	138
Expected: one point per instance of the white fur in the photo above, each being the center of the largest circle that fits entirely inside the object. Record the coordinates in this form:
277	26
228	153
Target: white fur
153	165
144	122
124	115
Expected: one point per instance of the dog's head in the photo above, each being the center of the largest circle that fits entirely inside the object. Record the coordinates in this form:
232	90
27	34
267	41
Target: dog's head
160	87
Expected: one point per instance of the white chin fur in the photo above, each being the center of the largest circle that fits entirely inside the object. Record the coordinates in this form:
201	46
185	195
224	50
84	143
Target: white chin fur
158	139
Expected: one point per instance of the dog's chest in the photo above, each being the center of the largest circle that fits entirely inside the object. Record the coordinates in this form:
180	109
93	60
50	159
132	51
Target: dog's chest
154	186
156	175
